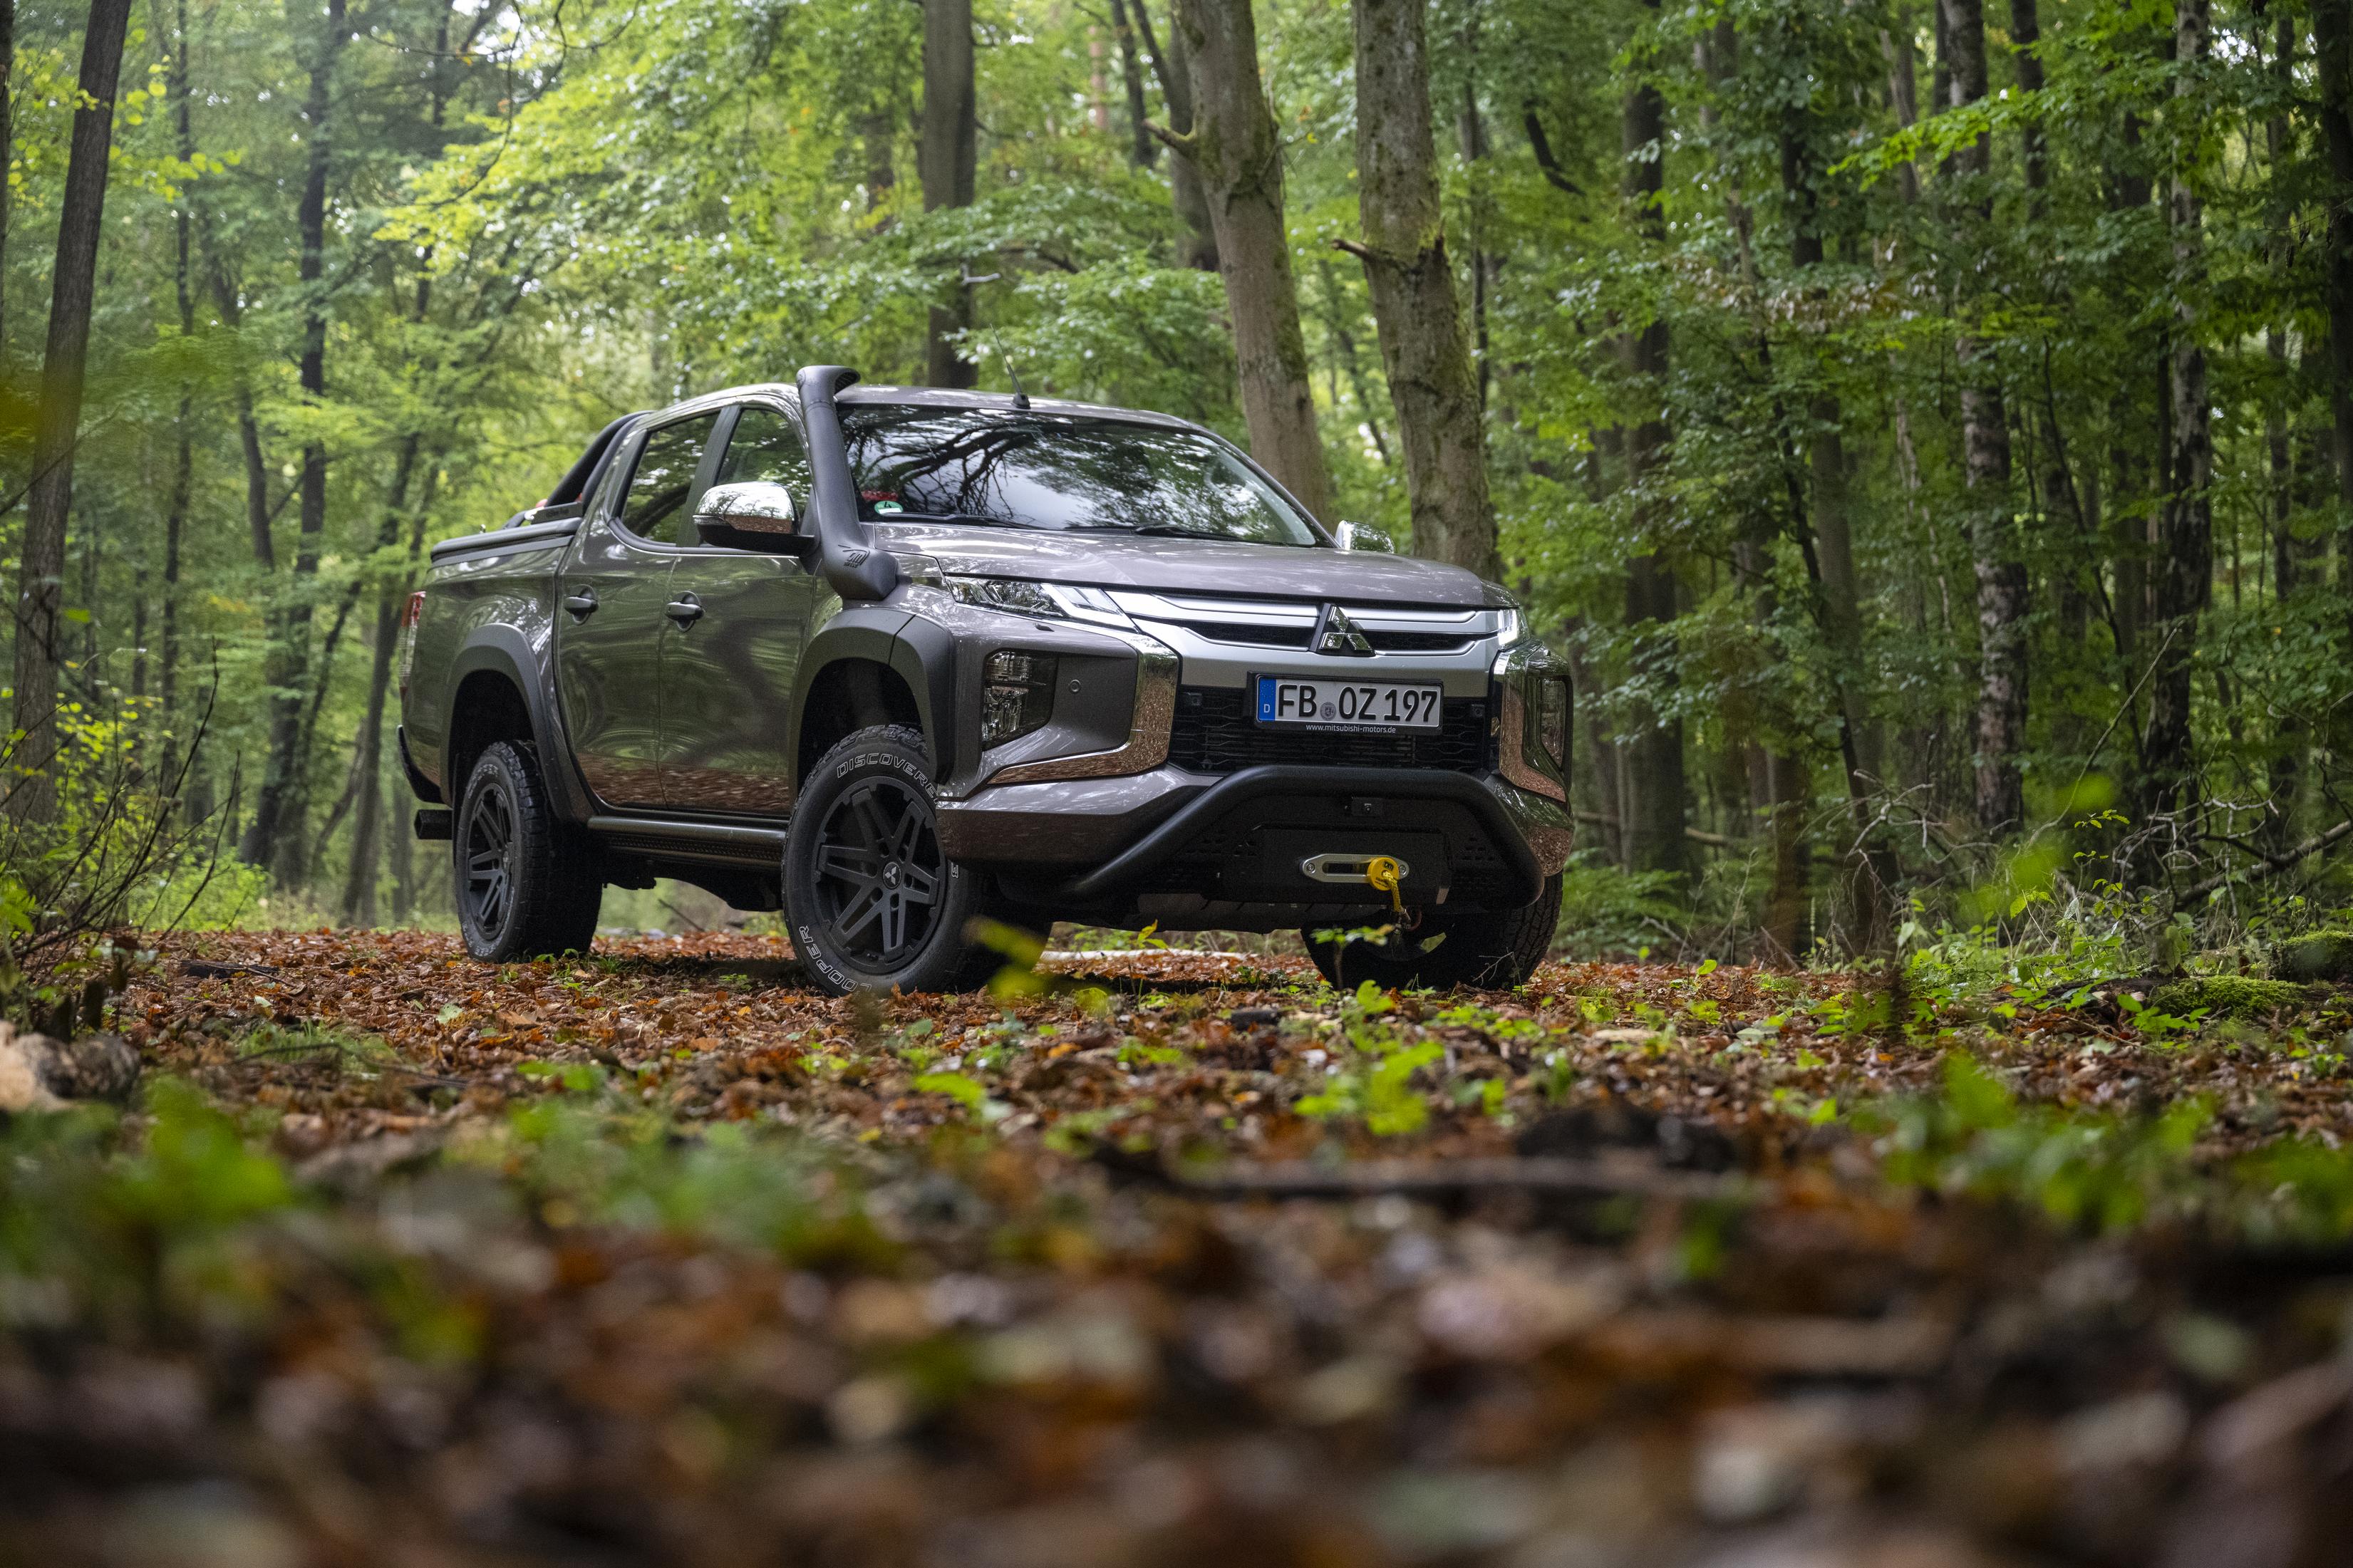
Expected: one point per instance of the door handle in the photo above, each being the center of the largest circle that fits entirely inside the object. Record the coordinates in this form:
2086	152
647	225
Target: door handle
686	609
582	603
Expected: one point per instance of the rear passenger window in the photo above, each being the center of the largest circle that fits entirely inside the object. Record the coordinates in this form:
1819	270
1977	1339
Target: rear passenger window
766	444
662	486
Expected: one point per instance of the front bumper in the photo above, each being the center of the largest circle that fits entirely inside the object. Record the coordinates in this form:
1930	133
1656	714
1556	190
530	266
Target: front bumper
1153	841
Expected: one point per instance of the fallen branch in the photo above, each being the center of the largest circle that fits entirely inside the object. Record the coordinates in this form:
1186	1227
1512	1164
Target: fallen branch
2273	863
1603	1178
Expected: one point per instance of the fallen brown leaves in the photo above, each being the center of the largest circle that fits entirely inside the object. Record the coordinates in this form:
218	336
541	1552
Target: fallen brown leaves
956	1337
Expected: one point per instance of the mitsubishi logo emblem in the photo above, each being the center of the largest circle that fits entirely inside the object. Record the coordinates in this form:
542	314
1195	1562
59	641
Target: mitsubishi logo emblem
1338	634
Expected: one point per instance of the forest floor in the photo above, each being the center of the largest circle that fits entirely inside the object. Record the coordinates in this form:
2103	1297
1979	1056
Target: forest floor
1174	1257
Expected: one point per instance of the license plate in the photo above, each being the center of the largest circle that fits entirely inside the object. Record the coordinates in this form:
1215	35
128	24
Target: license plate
1381	707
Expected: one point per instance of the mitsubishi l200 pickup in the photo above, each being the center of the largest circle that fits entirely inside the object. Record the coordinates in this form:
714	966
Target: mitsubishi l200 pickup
894	659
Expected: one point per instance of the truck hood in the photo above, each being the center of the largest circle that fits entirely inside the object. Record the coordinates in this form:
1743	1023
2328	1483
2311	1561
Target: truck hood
1185	565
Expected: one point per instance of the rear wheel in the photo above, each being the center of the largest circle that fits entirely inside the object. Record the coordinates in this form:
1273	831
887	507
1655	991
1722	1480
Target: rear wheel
872	901
1484	949
525	884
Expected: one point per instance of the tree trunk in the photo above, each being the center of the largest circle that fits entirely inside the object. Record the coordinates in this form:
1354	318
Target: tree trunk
175	516
1658	810
2186	541
2127	529
1432	383
8	143
1198	245
2332	38
949	160
1142	150
1985	476
2287	761
1235	150
275	836
49	497
1902	90
2026	57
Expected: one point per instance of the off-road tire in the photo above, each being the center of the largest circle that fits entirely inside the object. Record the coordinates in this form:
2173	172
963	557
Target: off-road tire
526	883
869	809
1493	949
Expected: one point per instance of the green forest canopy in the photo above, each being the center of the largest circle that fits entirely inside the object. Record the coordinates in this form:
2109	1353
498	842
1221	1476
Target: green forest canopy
1925	426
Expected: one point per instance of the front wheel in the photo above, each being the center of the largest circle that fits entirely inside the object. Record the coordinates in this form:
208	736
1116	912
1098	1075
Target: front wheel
872	901
525	886
1485	949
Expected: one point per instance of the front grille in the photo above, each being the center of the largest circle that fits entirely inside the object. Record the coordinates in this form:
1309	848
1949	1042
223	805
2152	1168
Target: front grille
1214	733
1415	642
1257	636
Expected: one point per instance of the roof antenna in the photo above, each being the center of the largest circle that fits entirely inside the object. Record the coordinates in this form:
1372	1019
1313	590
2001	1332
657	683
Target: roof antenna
1020	398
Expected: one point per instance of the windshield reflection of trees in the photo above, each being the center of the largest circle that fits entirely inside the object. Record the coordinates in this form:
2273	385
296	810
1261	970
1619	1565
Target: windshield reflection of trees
1052	473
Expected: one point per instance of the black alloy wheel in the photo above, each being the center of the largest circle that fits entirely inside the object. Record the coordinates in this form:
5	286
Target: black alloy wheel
879	872
526	883
486	877
872	901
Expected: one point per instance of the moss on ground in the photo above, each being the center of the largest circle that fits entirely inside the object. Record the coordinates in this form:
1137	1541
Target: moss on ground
2231	996
2325	954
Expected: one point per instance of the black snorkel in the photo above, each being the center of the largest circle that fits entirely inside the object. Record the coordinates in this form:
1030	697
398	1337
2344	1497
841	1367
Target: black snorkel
853	567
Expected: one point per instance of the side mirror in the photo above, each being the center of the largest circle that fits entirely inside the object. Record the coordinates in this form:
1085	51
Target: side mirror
1364	537
751	515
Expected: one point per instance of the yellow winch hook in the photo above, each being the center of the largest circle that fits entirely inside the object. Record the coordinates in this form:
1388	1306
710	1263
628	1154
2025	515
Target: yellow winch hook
1386	876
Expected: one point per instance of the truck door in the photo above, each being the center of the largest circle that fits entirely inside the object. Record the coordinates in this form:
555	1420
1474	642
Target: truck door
733	645
612	610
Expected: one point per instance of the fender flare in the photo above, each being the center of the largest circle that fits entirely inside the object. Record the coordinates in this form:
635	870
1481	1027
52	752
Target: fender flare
504	651
874	635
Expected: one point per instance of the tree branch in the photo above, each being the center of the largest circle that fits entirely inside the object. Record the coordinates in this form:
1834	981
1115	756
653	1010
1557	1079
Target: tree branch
2273	863
1181	142
1541	145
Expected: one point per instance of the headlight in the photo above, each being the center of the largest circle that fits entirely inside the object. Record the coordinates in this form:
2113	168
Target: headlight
1017	695
1507	627
1040	601
1010	595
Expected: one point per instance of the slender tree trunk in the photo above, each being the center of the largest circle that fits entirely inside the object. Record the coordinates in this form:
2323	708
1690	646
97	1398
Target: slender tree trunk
1902	90
948	160
2026	57
1142	150
2287	761
276	836
1432	383
49	498
2332	38
2185	561
2127	529
1345	352
1658	812
1985	470
1236	152
1197	242
8	143
175	516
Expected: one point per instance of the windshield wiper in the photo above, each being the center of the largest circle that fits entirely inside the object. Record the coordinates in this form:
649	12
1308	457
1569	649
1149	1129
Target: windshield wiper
973	517
1171	531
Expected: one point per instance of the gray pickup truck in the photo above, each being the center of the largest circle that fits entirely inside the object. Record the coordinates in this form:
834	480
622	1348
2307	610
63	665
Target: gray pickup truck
895	659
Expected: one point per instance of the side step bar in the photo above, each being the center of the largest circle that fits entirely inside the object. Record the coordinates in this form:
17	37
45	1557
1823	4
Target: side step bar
710	843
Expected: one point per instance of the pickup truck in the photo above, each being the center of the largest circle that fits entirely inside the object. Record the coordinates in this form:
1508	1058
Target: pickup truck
899	661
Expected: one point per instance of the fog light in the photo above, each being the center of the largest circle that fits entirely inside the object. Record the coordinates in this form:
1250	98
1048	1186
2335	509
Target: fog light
1017	697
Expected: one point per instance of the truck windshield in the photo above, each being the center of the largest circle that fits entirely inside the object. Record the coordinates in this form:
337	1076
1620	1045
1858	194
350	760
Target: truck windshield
915	464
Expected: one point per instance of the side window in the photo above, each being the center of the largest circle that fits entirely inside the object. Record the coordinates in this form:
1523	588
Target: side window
766	444
664	482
